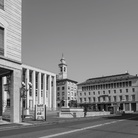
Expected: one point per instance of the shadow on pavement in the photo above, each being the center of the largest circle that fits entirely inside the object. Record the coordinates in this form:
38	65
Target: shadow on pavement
129	116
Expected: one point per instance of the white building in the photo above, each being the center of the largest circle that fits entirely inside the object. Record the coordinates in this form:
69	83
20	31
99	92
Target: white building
14	76
10	54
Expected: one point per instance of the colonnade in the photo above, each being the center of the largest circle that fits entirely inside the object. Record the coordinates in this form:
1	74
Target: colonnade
40	88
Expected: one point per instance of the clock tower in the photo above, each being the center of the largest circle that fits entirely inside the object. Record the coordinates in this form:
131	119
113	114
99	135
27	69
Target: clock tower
62	69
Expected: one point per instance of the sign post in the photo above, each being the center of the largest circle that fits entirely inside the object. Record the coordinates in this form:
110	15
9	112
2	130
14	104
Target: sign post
40	112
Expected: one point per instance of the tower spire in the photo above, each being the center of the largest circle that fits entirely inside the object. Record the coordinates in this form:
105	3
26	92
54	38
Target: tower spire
63	59
62	68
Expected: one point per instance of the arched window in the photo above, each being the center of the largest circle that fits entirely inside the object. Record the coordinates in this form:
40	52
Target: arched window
64	69
60	69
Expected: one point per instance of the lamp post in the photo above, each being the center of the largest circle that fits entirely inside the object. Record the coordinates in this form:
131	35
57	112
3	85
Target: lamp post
24	95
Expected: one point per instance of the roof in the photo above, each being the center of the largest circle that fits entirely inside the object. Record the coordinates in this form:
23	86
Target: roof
61	80
117	77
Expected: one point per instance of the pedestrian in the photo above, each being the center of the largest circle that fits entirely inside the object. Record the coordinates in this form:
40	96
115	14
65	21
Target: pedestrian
85	111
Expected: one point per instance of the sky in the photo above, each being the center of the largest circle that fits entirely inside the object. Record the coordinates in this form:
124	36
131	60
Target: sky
97	37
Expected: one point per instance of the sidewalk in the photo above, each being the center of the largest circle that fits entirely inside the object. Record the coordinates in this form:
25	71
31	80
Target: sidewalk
51	118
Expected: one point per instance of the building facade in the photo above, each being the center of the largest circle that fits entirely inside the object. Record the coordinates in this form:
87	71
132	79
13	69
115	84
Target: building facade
117	91
20	85
66	88
10	54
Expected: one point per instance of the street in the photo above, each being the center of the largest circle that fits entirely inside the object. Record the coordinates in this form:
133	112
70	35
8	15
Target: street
106	127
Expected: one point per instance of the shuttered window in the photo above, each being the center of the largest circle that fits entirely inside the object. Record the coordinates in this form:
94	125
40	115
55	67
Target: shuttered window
2	4
1	41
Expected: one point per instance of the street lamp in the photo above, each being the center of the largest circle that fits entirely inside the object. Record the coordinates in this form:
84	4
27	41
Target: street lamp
23	95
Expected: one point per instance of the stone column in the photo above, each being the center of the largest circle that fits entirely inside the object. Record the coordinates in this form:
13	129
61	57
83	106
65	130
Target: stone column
4	93
44	89
54	94
1	98
39	88
124	107
136	106
27	91
49	92
33	88
130	107
15	105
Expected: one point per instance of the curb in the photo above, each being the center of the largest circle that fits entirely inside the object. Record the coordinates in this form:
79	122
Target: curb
29	124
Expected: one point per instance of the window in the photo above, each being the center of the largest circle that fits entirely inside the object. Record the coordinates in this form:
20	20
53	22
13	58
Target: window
133	89
1	41
114	98
80	94
98	92
127	98
98	99
89	93
60	69
93	93
120	90
62	88
58	94
109	91
103	92
85	93
133	97
94	99
109	98
114	91
2	4
121	98
126	84
89	99
103	99
80	100
130	83
58	88
114	85
84	99
62	93
68	98
126	90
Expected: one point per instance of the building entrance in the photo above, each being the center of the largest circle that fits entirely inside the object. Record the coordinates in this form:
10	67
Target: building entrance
10	83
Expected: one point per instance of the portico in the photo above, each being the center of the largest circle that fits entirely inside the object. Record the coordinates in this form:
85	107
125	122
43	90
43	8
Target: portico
12	71
42	90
